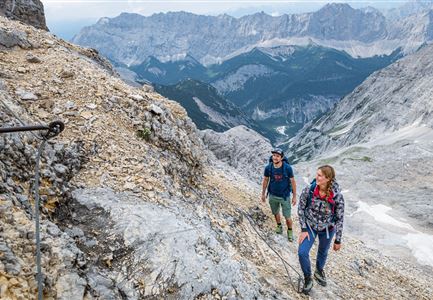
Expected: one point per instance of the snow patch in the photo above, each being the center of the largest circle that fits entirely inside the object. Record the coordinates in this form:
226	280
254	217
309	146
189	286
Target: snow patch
421	245
379	213
281	130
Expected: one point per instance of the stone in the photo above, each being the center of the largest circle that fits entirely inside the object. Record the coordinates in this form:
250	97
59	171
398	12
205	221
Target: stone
86	114
91	106
28	96
70	105
53	230
114	99
136	97
23	199
66	74
147	88
60	169
33	59
12	38
70	287
13	282
156	109
75	232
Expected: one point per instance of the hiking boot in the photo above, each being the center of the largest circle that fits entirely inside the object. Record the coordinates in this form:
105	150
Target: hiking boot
308	285
320	277
290	235
279	229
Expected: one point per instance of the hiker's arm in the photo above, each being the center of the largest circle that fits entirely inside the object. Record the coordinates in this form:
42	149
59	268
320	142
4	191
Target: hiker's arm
301	208
301	213
339	218
264	187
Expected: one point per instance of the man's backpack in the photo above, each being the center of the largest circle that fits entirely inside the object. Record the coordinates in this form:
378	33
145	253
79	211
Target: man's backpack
285	165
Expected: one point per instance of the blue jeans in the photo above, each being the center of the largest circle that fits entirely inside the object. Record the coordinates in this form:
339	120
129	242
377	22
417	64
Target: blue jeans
322	253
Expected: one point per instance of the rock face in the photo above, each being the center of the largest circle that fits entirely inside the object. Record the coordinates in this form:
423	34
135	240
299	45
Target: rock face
409	8
131	38
205	106
132	206
392	99
28	11
241	148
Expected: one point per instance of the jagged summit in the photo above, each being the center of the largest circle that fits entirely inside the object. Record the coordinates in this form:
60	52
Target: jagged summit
335	25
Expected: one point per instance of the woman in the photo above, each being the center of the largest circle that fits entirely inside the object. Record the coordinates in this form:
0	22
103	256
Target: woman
321	212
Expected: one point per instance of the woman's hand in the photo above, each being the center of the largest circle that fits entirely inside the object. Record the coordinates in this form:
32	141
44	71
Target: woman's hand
337	246
302	237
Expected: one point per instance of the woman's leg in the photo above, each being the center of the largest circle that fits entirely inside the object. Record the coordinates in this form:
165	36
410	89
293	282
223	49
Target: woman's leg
324	245
304	253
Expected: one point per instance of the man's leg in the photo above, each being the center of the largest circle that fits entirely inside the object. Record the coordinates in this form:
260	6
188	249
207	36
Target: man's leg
275	208
287	213
278	218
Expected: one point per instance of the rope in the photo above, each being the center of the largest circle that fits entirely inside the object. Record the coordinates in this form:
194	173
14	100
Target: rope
53	130
285	263
38	239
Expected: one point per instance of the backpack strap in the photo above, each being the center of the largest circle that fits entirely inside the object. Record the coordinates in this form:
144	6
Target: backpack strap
310	199
271	172
311	192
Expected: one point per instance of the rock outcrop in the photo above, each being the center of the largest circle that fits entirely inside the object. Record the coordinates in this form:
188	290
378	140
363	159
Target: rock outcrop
241	148
28	11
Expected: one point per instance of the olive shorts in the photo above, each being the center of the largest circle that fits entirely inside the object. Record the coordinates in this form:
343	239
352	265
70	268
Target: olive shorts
275	203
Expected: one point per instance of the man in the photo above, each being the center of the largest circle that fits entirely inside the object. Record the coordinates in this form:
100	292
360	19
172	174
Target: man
280	182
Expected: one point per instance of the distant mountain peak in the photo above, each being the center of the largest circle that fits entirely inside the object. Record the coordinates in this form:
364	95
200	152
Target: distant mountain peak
336	7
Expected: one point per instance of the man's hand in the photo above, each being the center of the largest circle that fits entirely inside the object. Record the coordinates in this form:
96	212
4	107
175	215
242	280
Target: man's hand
336	246
263	198
294	200
302	237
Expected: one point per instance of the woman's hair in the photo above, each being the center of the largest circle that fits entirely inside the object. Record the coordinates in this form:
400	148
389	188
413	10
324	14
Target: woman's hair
329	173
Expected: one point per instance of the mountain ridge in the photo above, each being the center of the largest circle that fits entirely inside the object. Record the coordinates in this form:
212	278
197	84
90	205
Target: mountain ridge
320	26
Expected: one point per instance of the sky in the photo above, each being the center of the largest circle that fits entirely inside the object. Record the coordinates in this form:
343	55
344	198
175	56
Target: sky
66	17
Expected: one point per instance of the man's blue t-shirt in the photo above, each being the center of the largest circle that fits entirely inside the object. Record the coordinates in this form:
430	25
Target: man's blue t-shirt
280	184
